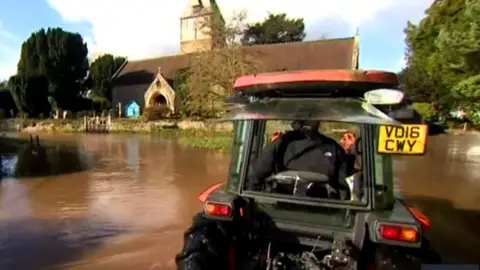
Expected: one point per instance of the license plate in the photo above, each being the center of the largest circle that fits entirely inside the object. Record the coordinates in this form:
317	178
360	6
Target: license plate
404	139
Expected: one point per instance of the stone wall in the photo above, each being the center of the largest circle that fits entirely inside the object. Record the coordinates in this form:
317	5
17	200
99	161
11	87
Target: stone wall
10	125
152	126
117	125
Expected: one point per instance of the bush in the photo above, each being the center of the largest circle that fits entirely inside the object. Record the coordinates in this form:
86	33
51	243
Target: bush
156	113
474	114
426	110
22	115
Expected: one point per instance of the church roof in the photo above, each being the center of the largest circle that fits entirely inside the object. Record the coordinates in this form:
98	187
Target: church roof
319	54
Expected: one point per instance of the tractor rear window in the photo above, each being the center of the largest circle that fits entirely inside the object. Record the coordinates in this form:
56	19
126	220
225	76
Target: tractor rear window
309	161
305	149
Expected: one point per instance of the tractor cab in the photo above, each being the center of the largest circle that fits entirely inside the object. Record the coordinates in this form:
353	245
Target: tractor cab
314	208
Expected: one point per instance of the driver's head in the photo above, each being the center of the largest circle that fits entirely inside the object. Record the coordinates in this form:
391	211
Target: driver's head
313	124
310	124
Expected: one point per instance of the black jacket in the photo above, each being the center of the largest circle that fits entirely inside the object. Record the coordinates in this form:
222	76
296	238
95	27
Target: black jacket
302	151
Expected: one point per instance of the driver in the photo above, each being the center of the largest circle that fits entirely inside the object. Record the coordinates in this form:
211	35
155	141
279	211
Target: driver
302	149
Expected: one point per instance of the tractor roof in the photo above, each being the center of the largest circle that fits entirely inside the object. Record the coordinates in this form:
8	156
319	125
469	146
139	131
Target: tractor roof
330	82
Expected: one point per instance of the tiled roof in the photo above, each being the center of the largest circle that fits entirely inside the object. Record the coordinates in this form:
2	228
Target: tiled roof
318	54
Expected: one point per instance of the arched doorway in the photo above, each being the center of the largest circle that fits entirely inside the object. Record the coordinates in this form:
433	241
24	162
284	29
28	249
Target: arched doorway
159	100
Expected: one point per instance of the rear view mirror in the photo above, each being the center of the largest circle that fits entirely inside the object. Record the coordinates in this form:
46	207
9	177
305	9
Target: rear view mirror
384	96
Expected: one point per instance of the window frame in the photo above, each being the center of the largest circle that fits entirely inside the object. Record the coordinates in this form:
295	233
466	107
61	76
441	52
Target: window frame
252	139
384	184
240	149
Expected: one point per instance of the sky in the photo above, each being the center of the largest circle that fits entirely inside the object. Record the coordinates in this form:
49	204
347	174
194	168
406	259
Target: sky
148	28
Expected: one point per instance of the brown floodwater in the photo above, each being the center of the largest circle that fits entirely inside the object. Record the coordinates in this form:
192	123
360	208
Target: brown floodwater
127	205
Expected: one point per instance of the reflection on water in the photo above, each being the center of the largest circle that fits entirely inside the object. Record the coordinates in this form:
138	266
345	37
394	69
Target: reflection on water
35	243
139	189
33	160
132	153
15	203
445	184
464	148
129	209
7	165
446	172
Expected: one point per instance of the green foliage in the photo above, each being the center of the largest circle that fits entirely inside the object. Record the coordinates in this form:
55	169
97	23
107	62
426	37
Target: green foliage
212	140
59	58
443	54
101	72
7	103
468	90
181	91
474	113
426	110
30	94
276	28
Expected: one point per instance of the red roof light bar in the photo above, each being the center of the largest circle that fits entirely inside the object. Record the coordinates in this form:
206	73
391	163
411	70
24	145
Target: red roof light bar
347	76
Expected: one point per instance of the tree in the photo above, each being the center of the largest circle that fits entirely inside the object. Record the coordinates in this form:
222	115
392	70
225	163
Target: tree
436	60
58	56
276	28
212	73
30	94
7	104
101	73
180	79
467	92
459	48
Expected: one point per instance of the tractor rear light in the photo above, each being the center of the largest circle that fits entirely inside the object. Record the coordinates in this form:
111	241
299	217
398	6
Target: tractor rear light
421	218
217	209
402	233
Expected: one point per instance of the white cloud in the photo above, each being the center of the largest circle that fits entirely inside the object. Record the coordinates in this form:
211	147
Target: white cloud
146	28
8	63
9	53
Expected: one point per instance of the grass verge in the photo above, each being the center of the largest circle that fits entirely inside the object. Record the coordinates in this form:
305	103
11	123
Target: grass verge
219	141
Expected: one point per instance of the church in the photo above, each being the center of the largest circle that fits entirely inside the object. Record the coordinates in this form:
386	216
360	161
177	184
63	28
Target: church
148	82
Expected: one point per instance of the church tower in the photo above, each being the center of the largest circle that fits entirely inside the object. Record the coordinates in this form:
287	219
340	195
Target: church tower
194	33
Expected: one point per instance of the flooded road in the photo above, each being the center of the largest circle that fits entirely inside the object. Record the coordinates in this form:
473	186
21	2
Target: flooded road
128	211
129	208
445	185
